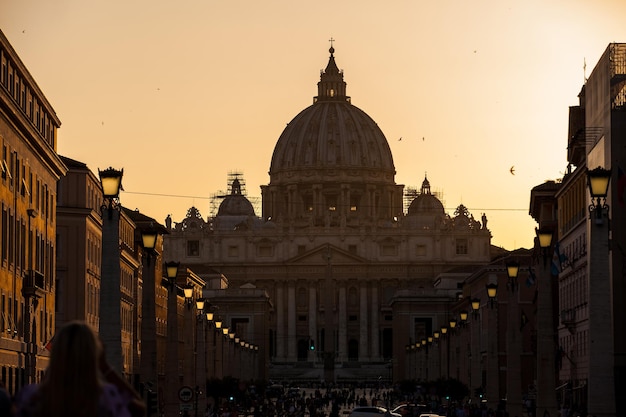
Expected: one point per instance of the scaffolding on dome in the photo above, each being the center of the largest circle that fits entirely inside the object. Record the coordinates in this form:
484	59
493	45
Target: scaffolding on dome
218	197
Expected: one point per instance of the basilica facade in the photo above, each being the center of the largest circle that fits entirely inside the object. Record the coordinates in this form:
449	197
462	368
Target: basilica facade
351	272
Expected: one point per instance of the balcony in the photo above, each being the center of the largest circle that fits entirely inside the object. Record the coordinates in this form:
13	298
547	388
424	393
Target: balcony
33	285
568	319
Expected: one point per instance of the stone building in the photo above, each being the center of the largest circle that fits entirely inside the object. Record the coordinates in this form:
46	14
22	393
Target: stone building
29	171
334	248
597	128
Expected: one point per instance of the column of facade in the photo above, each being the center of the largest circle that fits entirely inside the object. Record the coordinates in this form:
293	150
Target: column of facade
364	333
292	342
316	200
291	201
375	332
343	325
280	323
313	320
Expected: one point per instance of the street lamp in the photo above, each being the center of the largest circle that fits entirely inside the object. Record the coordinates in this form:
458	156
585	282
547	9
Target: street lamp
512	270
188	292
171	271
544	236
111	181
463	315
598	182
600	390
475	307
546	345
172	384
452	324
110	296
198	333
492	289
149	236
513	342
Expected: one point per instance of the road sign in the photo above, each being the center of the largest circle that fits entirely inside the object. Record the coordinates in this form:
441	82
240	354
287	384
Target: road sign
185	394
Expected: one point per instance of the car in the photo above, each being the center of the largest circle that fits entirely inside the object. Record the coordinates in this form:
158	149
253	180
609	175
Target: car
410	409
403	410
372	412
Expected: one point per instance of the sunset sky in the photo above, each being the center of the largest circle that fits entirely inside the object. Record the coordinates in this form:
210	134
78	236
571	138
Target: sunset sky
180	93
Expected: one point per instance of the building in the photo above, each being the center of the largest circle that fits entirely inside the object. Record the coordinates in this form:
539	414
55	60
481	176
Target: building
29	171
79	231
334	248
597	131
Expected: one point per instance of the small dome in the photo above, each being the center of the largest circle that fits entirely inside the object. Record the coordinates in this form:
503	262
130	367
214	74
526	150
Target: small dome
235	204
426	202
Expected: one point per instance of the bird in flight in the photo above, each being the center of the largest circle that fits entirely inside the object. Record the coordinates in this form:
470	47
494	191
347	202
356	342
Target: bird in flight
400	139
512	170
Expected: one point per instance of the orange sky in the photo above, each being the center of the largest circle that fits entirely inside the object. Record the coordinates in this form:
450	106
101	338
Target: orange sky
179	94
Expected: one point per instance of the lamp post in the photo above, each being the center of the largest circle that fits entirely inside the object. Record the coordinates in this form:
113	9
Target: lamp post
200	351
475	358
171	354
601	385
514	343
218	350
546	345
463	317
149	236
32	291
492	290
197	329
110	328
475	303
492	387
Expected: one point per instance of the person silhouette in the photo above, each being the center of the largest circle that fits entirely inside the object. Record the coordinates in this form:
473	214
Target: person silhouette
78	381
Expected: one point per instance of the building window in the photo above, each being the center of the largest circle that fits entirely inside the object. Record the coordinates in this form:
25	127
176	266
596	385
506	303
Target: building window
420	250
265	251
461	246
389	249
301	249
352	317
352	249
193	248
233	251
301	317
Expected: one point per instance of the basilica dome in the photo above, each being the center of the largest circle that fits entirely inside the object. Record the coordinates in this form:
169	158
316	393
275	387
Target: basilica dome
235	204
426	202
332	139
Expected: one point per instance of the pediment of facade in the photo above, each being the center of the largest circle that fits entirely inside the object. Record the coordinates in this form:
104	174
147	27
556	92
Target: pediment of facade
320	256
